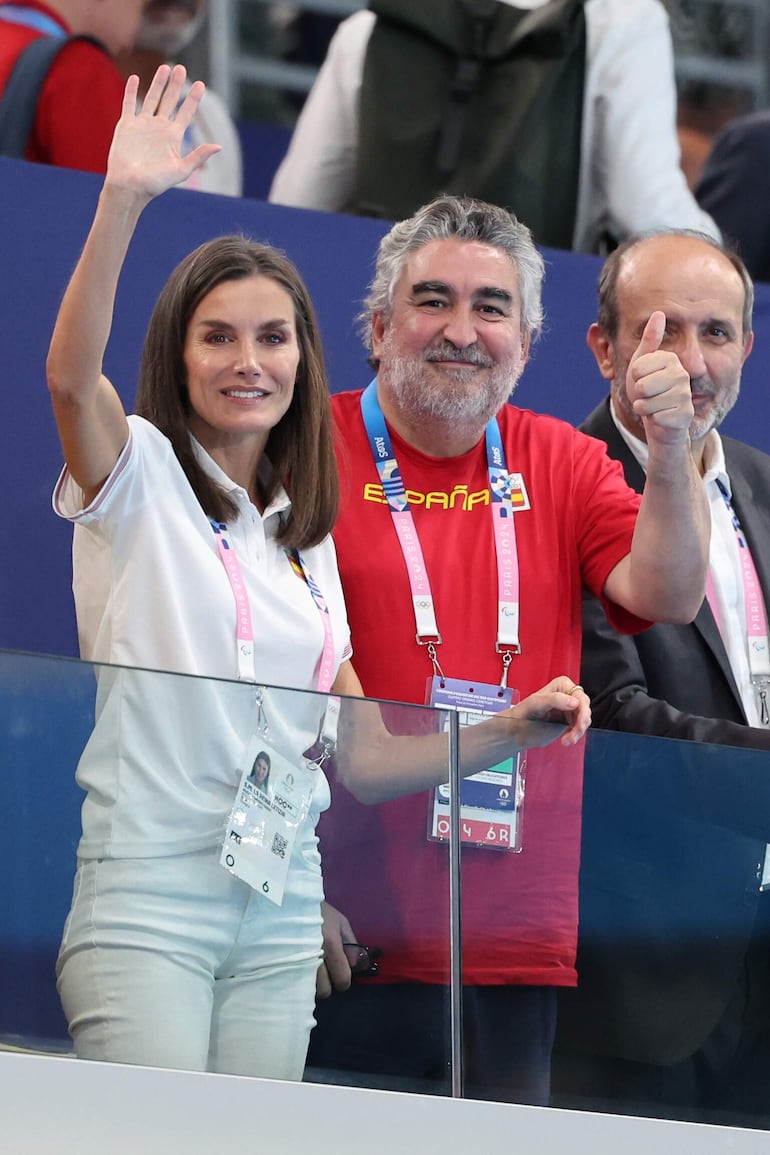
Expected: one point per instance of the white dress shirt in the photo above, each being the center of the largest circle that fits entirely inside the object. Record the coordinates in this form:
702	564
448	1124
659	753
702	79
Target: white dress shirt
726	575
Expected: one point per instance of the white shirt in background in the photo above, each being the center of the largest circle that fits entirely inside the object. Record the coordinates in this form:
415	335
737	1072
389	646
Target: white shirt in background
630	178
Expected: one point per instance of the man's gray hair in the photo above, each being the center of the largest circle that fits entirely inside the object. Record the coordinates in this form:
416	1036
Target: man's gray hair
462	219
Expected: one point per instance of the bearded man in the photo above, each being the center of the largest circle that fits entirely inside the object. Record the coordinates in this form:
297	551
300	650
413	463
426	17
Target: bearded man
466	532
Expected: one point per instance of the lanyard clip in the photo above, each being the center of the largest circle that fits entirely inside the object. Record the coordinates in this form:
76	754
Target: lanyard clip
433	655
325	745
764	715
320	752
262	726
507	659
430	644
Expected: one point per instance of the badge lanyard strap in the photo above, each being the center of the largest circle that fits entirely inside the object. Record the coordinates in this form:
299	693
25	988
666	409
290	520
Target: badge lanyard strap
427	633
756	616
244	630
327	670
15	14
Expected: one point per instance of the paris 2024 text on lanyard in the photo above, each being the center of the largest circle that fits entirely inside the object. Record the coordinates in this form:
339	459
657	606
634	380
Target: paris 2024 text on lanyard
491	802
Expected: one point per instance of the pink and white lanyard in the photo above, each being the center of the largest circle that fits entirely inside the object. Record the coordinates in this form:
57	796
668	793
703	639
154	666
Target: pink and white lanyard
501	507
244	630
756	615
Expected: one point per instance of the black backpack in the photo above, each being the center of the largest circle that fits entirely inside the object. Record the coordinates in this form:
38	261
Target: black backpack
18	103
476	98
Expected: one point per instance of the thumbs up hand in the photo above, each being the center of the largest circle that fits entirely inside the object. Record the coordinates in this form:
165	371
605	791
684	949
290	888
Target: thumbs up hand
658	387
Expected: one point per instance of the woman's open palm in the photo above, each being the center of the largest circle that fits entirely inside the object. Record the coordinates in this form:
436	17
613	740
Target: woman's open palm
147	149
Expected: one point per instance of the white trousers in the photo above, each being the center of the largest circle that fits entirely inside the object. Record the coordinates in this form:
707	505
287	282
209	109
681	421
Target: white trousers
173	962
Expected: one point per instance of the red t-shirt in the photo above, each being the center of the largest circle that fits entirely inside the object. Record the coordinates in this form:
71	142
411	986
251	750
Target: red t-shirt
80	101
519	910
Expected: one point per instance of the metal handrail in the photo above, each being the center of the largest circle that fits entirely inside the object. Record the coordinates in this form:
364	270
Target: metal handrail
230	66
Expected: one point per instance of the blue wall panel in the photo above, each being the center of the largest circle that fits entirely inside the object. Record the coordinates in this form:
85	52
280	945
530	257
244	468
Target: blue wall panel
44	217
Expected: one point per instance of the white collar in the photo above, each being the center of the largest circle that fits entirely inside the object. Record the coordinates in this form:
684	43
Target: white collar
713	451
280	502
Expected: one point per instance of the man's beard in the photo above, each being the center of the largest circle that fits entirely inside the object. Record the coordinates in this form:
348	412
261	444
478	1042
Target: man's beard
459	397
699	426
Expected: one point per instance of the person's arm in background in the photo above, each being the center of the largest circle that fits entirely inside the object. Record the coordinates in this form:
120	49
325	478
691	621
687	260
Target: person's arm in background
735	188
612	673
319	167
631	171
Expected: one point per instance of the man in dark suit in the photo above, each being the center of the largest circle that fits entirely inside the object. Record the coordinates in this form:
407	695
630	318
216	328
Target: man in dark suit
734	188
671	1015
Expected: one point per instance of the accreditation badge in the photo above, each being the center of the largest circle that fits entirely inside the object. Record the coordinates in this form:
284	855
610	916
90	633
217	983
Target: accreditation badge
273	799
491	801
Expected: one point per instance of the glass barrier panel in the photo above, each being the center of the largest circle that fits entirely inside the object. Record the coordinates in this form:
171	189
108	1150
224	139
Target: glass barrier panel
519	878
386	869
671	1014
648	932
46	717
644	938
173	892
394	1029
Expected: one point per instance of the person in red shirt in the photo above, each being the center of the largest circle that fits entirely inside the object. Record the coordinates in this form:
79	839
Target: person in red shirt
492	518
81	98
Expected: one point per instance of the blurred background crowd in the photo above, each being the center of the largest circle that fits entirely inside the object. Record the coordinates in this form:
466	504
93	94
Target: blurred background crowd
591	119
263	57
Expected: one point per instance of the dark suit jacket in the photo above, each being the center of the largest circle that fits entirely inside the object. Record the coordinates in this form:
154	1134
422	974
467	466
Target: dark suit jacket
735	188
674	833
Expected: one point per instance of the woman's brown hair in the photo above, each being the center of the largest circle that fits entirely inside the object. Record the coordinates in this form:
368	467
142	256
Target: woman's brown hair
300	446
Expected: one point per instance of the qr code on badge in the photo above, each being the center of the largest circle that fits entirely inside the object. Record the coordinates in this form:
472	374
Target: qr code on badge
279	845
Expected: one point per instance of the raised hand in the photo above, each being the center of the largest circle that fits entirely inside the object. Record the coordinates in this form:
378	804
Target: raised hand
146	156
658	387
